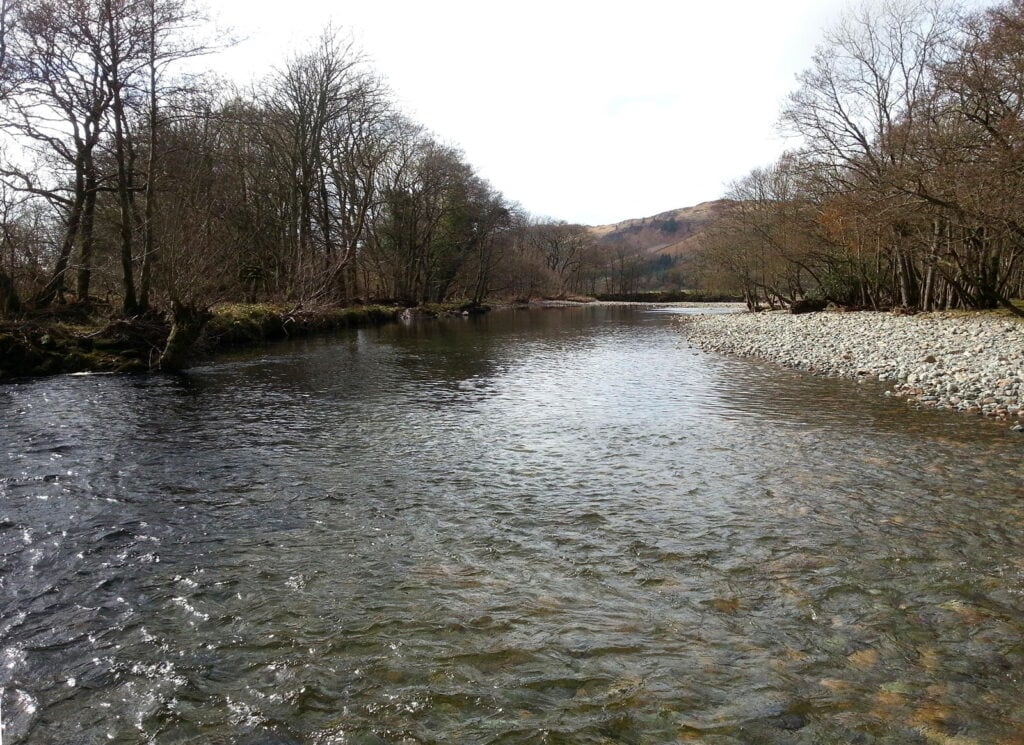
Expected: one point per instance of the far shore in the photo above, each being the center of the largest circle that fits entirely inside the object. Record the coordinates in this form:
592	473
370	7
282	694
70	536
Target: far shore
966	362
80	339
635	303
77	340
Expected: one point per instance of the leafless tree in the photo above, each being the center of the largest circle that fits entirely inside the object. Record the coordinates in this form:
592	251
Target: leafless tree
562	247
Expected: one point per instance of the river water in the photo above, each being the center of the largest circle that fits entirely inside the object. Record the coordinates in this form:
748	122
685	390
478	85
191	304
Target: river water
559	526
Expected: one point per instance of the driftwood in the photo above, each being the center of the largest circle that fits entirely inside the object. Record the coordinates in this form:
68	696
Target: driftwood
807	305
187	324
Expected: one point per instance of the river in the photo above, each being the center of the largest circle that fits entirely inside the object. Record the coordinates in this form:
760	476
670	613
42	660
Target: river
557	526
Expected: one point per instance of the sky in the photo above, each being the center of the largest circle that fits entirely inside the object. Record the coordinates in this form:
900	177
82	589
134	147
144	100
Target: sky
587	112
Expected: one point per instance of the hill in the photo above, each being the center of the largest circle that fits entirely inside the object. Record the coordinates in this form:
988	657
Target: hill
672	233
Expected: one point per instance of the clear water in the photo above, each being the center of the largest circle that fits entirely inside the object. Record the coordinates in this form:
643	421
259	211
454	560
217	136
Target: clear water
559	526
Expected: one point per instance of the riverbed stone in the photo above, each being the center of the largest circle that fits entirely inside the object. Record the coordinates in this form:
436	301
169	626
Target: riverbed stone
922	356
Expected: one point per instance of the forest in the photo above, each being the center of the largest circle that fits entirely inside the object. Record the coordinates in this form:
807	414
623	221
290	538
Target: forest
134	180
907	186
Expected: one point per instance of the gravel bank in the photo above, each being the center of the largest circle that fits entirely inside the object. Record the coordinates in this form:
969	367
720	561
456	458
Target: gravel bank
971	363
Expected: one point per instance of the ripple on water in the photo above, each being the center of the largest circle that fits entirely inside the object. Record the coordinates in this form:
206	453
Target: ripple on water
554	527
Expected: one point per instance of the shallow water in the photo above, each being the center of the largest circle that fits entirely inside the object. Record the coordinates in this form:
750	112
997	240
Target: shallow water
559	526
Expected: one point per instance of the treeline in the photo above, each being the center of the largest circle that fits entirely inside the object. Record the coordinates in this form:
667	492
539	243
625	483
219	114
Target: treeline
126	180
667	296
908	187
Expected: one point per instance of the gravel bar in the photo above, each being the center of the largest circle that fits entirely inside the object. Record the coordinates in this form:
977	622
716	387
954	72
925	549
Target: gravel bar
967	362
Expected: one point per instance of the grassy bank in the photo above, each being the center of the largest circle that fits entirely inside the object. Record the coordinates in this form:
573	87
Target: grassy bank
78	339
237	325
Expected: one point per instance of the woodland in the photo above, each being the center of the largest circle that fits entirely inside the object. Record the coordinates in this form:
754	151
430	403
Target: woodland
134	180
907	187
135	183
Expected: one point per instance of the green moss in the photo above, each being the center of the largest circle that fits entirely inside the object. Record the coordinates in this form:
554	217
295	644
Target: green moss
455	308
105	345
51	347
237	325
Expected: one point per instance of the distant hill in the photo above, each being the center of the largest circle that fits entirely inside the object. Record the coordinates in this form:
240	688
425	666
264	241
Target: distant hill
672	233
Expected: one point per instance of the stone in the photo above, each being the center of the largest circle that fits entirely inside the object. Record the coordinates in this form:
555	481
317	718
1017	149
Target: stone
920	354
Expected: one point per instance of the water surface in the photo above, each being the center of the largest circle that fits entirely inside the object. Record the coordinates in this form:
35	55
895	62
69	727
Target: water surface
559	526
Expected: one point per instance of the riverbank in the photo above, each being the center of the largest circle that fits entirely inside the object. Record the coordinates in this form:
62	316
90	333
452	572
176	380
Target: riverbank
723	305
969	362
76	340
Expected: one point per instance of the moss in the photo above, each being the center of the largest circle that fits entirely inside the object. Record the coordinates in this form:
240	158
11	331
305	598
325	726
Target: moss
49	346
238	325
105	345
455	308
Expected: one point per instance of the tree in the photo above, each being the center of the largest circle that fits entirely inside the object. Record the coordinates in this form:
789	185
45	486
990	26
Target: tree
969	166
74	75
308	102
860	102
425	227
141	38
55	103
358	145
624	269
491	236
562	248
10	302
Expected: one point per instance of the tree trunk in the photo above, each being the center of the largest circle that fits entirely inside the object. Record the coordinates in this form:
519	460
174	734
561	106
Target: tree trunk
131	304
187	326
88	236
113	73
10	305
55	286
149	248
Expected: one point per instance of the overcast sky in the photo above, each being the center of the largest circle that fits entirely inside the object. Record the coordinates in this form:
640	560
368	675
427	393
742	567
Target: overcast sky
585	112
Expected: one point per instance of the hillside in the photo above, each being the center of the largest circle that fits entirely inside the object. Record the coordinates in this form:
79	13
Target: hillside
672	233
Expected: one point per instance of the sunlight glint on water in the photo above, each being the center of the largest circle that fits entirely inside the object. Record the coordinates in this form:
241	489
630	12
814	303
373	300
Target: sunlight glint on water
548	527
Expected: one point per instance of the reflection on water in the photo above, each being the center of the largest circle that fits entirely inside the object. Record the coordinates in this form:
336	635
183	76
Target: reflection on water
535	527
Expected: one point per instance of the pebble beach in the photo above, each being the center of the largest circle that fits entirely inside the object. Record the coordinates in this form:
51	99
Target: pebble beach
972	363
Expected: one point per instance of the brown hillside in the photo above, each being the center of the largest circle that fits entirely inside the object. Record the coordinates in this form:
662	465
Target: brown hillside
675	232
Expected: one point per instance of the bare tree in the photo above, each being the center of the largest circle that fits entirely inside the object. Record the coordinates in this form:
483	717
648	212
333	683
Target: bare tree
307	102
56	103
169	27
562	247
10	302
73	75
861	100
969	161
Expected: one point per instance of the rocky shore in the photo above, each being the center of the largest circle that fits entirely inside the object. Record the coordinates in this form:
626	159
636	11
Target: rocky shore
967	362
